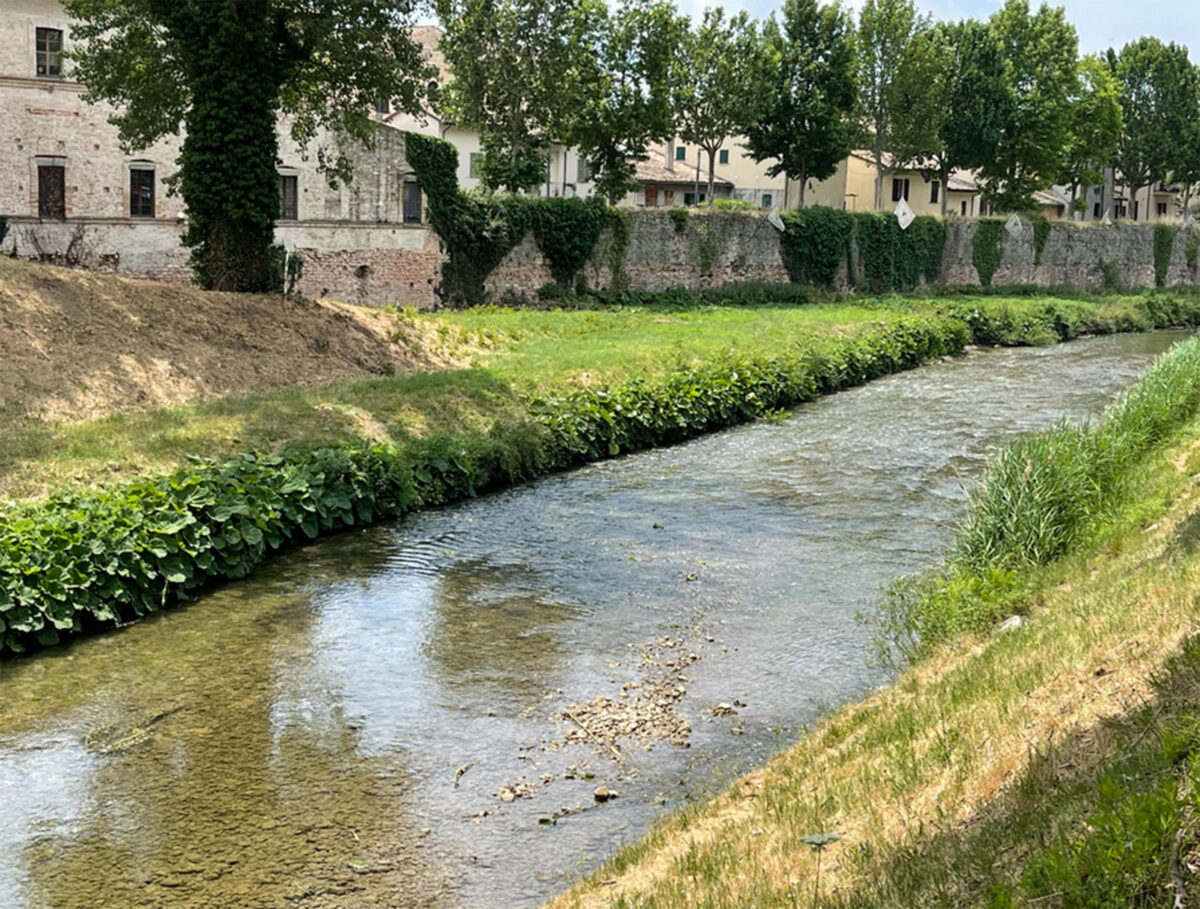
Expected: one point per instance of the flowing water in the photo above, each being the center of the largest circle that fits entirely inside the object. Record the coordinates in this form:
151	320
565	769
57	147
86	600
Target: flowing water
338	731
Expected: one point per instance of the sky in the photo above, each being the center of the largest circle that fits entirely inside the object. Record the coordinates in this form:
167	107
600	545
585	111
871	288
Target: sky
1101	23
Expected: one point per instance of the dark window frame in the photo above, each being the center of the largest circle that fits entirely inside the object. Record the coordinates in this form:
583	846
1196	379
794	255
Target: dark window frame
680	152
48	43
289	212
52	201
410	202
142	192
900	188
723	156
767	199
935	187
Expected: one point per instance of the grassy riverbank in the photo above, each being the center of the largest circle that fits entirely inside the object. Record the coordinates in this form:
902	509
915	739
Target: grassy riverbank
535	392
1055	764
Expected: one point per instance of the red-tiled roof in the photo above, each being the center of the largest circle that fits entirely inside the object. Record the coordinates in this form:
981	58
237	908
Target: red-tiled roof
654	170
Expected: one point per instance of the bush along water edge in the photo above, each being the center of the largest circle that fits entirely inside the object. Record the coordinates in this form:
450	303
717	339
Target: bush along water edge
94	560
1042	498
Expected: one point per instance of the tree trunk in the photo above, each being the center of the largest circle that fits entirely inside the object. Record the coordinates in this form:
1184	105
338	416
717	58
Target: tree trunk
944	176
712	174
878	154
803	185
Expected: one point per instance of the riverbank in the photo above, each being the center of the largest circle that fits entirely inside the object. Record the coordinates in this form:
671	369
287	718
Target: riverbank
543	391
1051	762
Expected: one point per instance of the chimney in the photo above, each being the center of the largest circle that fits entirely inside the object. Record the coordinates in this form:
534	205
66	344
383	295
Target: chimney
671	155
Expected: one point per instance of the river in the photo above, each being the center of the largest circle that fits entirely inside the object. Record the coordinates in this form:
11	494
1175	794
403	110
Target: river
345	729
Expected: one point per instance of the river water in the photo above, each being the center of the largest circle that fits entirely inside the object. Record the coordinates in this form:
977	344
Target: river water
339	730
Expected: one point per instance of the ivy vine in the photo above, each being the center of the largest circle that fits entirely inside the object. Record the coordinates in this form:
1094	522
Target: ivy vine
479	230
679	217
1041	233
1164	244
985	249
815	243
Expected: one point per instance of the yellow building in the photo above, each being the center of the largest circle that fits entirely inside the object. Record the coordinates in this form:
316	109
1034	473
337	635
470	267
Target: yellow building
852	188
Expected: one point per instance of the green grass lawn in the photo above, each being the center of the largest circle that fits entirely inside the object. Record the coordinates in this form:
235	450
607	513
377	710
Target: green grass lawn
506	357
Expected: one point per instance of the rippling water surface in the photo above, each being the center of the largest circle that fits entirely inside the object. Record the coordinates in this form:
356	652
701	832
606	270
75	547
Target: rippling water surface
332	733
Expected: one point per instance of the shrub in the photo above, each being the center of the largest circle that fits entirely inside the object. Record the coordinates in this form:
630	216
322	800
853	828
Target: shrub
1164	244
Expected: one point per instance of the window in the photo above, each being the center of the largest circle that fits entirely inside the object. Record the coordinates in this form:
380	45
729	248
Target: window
964	209
934	189
52	191
141	192
724	156
584	173
473	167
49	52
681	153
899	188
689	199
412	202
289	197
1162	209
766	200
383	106
1096	211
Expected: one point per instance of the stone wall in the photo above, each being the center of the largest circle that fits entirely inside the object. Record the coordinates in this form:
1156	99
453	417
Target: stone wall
710	250
1085	256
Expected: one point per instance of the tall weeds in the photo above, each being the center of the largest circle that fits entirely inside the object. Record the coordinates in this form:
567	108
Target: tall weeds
1042	497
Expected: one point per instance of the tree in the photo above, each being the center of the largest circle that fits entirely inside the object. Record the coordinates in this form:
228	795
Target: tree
1159	100
953	87
513	61
887	33
1041	50
717	89
807	122
624	102
1095	127
225	71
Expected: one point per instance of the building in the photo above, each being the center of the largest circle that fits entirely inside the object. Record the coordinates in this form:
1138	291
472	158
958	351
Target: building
852	188
73	196
747	179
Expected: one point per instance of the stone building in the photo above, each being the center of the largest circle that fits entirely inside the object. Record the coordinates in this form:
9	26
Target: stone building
73	196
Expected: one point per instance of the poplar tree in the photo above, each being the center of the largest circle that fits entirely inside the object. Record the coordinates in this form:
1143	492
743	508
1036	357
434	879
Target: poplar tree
807	120
722	64
888	52
1041	51
514	63
224	71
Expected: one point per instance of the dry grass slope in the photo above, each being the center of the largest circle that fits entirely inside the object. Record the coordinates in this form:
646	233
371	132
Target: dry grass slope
76	345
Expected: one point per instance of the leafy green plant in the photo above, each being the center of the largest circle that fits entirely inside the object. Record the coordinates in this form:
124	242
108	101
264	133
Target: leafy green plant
679	217
733	205
985	249
1164	245
1191	248
1041	233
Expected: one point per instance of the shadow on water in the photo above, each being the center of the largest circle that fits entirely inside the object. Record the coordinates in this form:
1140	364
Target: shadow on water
336	731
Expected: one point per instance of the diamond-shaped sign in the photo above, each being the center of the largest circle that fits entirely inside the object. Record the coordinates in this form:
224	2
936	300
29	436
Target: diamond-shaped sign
1107	220
774	219
904	215
1014	227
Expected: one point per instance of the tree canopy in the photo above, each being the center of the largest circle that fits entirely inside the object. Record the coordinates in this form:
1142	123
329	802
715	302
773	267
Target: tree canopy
224	72
807	120
722	64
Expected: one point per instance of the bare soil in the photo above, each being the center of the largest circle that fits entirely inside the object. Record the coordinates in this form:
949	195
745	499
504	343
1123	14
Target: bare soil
76	345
